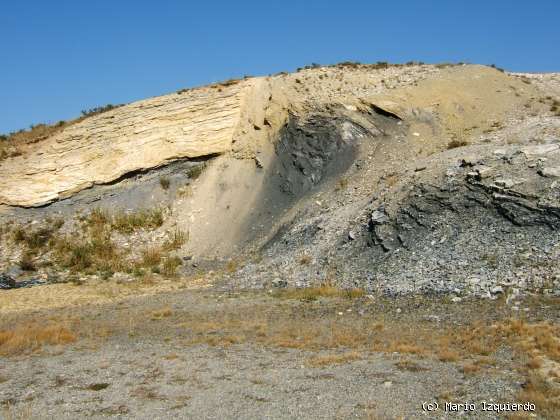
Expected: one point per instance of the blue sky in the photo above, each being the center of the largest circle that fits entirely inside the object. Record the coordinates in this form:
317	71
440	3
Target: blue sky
59	57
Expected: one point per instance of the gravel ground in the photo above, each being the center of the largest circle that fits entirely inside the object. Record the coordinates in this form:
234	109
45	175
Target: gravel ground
133	360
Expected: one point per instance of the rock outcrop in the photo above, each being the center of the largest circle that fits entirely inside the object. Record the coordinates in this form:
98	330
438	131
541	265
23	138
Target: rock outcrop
438	179
239	117
135	137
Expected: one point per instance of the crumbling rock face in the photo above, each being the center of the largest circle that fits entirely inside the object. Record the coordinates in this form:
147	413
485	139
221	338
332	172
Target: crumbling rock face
324	144
405	179
476	227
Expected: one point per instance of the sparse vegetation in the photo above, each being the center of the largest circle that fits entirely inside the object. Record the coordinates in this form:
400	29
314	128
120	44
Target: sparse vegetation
314	293
27	337
99	110
232	266
164	182
555	107
170	266
333	359
151	257
176	240
12	144
501	70
195	171
341	185
453	144
305	259
142	219
94	249
26	262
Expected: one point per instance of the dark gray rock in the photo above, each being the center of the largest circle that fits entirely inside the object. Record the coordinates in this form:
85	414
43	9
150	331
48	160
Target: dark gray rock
6	282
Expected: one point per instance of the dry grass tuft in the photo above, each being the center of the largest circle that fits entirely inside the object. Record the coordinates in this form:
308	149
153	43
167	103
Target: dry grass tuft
151	257
305	259
410	366
170	266
176	240
164	182
545	397
141	219
453	144
161	313
333	359
398	346
446	355
10	412
313	293
32	336
470	368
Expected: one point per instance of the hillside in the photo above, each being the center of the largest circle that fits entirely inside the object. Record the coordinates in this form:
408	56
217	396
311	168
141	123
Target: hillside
349	167
415	197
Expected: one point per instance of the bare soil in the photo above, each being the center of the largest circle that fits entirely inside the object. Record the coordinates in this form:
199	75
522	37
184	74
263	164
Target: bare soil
214	354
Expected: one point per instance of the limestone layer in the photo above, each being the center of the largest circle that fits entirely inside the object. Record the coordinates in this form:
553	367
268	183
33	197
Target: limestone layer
244	118
142	135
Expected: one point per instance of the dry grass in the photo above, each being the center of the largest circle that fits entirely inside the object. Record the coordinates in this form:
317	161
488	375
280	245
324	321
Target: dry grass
305	259
151	257
453	144
409	365
176	240
161	313
471	344
341	185
232	266
545	397
399	346
92	253
170	266
142	219
314	293
164	182
446	355
333	359
27	337
196	171
470	368
15	143
92	249
125	222
12	413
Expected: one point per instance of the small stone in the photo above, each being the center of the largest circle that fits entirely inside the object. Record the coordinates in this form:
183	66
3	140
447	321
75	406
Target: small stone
484	172
378	217
279	283
456	299
387	384
504	183
351	235
6	282
496	290
500	152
